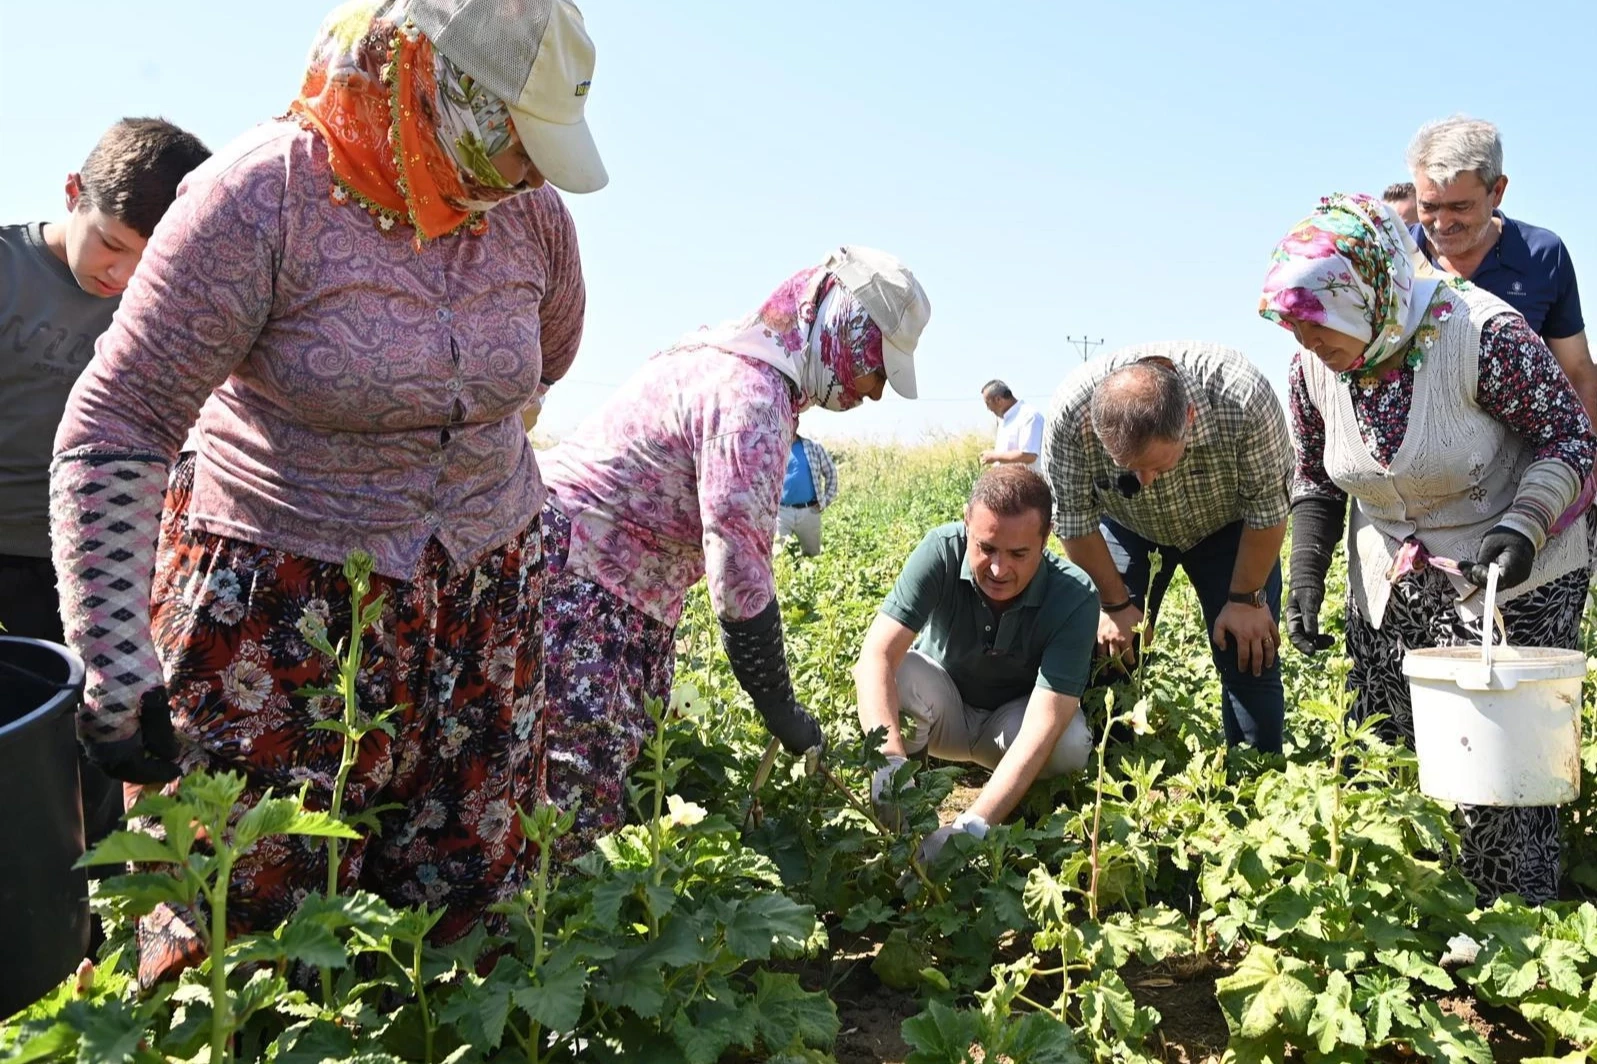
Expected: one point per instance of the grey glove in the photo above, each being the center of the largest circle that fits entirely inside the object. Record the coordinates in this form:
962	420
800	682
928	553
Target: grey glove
888	811
759	661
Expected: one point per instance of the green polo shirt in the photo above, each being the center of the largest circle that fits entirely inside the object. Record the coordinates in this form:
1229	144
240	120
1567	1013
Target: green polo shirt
1045	639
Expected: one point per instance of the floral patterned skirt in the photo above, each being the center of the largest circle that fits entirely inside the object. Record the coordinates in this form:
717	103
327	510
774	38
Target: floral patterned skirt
458	651
603	658
1503	850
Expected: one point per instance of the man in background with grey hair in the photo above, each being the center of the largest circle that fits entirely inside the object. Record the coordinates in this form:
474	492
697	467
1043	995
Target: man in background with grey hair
1019	439
1180	448
1458	177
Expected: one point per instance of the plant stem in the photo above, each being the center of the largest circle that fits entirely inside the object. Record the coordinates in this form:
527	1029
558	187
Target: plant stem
421	1002
221	1004
1097	816
535	1032
870	815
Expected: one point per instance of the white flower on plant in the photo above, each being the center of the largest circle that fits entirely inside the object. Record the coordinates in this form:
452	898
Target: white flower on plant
682	814
687	702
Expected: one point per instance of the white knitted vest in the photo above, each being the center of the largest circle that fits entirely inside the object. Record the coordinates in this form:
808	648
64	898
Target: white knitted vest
1456	471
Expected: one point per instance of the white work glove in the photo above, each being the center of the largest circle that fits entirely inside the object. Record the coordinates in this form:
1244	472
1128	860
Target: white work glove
933	844
883	801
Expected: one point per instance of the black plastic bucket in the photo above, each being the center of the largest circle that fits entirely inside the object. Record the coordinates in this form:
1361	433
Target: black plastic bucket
44	906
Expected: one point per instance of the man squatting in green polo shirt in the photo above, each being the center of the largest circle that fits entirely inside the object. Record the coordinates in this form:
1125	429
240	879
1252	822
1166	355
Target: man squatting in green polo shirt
984	644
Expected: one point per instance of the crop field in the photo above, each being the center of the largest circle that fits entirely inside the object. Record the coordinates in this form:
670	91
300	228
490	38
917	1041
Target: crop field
1174	902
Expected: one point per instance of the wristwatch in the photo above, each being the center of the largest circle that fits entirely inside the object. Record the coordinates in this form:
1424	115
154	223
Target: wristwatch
1248	598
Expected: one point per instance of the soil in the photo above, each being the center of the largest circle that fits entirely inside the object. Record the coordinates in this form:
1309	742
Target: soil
1192	1028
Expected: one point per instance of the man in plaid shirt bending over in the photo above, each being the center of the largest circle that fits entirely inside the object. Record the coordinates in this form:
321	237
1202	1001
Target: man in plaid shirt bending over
1180	448
809	487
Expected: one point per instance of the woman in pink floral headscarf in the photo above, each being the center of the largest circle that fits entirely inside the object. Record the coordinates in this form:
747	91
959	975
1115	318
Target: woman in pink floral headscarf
1448	421
679	476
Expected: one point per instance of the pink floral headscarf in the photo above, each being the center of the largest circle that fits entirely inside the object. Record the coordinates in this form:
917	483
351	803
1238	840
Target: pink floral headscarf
1350	266
813	330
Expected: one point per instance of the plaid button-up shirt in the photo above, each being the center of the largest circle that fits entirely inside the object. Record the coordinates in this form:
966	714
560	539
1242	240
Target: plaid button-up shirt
822	472
1237	465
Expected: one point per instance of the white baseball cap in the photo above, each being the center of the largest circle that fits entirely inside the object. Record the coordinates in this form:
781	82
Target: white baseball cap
895	301
536	56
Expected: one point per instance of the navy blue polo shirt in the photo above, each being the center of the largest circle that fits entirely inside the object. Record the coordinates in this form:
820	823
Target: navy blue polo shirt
1529	269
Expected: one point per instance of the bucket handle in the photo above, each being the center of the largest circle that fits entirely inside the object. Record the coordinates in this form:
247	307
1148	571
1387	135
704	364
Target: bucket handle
1481	679
1488	615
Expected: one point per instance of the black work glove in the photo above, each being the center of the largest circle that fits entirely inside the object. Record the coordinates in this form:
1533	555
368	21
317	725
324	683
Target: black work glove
759	661
1513	553
149	755
1317	526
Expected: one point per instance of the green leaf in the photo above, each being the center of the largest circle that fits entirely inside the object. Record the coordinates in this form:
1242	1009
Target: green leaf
1409	963
1440	1036
1334	1021
1266	995
130	847
756	926
898	962
870	911
1107	1006
53	1043
299	940
711	1027
1384	999
1164	933
284	816
785	1013
141	892
940	1035
1576	1021
556	997
1039	1038
1045	898
479	1008
311	1042
1562	961
110	1032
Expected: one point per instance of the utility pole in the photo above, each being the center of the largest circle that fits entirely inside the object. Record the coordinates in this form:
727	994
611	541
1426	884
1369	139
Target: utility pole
1084	345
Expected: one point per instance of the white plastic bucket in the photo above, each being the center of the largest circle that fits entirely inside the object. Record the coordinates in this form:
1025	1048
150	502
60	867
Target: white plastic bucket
1497	725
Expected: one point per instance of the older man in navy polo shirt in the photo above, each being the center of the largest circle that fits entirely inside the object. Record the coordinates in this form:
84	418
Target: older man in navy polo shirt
1458	175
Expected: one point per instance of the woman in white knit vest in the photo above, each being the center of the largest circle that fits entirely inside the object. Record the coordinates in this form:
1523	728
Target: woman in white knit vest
1451	425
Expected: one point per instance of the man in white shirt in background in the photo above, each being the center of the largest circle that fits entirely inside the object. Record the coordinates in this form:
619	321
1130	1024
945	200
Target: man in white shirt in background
1019	440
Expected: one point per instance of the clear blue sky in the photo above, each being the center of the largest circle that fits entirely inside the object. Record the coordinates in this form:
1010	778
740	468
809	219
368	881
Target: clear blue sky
1115	170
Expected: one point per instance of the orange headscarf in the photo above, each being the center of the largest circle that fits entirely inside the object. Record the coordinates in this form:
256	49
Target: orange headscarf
371	91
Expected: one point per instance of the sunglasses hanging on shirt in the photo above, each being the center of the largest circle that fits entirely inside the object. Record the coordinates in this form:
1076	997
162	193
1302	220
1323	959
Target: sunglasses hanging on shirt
1127	484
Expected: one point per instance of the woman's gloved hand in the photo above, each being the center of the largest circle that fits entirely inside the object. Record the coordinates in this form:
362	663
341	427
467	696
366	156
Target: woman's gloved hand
147	756
1317	524
1513	553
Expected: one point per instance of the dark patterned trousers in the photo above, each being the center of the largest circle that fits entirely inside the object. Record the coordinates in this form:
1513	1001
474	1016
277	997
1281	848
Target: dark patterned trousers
1504	850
